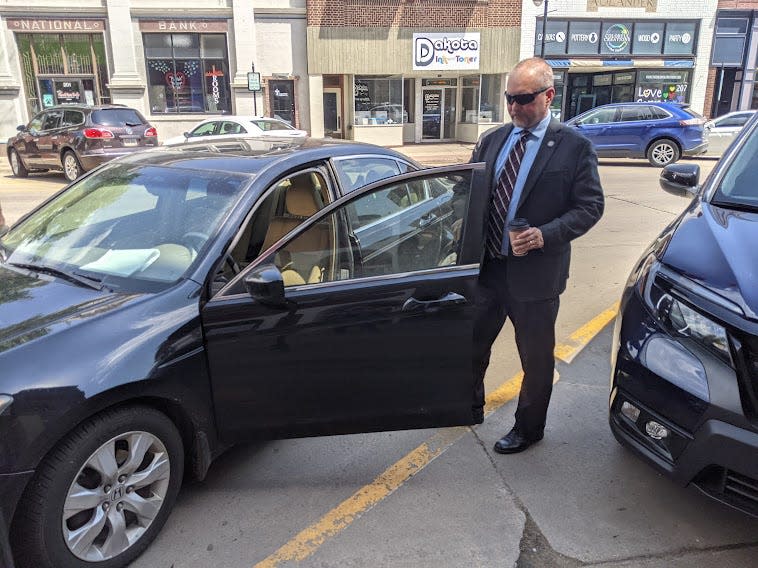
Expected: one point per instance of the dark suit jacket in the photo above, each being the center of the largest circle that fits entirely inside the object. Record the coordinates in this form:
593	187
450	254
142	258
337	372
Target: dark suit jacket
562	197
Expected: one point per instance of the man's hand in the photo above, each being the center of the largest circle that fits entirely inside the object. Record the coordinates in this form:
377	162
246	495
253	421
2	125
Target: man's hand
530	239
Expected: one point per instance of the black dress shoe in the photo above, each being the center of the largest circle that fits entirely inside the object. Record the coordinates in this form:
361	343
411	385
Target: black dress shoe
513	442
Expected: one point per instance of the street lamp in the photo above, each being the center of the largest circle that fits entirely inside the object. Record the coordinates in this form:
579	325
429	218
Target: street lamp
538	3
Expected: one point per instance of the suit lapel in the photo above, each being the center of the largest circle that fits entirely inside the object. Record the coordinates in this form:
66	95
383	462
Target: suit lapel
550	142
498	138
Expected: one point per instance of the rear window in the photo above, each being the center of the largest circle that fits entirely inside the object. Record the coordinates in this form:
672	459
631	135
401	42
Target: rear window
117	117
272	125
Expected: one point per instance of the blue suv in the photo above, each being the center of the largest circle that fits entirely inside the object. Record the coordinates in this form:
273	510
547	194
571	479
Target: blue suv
660	132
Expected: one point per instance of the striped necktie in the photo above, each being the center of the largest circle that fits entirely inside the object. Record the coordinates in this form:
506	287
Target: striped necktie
502	194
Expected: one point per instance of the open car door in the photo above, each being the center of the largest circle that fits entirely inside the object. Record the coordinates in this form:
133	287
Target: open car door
360	319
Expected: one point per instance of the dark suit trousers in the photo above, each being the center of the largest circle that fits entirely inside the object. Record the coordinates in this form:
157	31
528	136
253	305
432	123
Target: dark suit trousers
534	323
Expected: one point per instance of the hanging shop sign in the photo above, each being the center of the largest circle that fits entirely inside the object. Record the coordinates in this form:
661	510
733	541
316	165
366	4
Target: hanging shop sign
55	25
446	51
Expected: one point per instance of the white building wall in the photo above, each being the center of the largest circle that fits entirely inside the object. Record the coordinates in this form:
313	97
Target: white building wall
703	10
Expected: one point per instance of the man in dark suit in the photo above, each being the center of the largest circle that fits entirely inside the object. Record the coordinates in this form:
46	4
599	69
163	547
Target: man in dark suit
542	171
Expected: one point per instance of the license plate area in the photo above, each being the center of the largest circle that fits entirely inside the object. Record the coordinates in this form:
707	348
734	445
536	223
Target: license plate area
129	141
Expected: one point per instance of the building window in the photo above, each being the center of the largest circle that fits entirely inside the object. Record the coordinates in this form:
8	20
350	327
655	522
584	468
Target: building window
187	73
379	100
491	101
63	68
470	99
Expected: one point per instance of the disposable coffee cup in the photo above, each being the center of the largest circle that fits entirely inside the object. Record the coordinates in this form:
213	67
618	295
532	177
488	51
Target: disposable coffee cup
515	226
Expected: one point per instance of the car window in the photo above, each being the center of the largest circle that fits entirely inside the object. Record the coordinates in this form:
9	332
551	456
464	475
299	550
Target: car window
599	116
36	124
419	238
284	206
357	172
659	113
733	121
206	129
117	117
267	125
72	118
52	119
228	127
629	114
738	184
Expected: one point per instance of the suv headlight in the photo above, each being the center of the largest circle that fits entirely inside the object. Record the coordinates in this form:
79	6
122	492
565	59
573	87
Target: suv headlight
5	402
676	315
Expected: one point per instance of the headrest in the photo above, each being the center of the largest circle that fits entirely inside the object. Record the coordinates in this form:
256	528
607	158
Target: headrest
300	198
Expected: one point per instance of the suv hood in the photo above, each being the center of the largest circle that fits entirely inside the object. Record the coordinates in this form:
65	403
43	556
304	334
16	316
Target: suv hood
716	248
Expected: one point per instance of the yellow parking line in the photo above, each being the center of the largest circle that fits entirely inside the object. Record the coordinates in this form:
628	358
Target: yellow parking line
307	541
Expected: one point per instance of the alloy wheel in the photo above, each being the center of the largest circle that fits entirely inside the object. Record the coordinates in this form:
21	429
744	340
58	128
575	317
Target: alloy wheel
663	154
71	167
116	495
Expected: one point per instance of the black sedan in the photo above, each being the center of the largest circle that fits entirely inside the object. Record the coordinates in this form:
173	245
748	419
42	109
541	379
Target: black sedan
685	356
175	302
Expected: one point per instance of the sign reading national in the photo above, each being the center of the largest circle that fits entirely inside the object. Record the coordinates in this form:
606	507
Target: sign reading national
445	51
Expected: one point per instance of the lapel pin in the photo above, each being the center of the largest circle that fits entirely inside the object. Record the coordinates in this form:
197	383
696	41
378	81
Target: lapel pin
550	143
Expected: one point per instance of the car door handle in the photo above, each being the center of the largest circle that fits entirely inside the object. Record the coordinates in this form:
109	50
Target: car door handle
427	219
449	299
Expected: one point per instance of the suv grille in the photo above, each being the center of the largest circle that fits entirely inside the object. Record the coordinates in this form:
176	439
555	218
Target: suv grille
739	491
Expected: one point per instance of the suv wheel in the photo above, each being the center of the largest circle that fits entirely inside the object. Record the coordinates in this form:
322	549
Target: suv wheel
663	152
19	170
71	167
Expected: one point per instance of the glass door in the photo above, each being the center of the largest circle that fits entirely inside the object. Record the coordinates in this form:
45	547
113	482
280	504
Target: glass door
332	113
432	114
282	100
448	124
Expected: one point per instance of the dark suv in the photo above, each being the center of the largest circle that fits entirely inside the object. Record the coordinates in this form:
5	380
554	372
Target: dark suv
78	138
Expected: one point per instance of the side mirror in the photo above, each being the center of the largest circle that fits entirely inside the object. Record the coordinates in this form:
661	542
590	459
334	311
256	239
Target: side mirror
266	285
680	179
186	134
21	128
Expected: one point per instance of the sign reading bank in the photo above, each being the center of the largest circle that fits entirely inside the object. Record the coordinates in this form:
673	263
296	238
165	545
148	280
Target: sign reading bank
445	51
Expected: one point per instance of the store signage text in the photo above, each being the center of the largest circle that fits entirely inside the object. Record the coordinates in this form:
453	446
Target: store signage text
648	5
649	38
665	93
616	38
56	25
587	38
441	51
198	26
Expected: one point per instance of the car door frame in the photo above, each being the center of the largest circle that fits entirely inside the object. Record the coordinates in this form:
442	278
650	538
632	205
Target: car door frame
231	314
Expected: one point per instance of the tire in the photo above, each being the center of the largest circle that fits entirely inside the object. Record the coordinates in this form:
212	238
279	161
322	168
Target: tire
663	152
114	520
72	169
19	170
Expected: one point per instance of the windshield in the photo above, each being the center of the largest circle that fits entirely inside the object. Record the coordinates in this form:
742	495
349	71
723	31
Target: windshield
128	227
738	186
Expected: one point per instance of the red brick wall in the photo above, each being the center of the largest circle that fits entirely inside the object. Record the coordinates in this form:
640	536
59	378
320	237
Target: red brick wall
738	4
414	13
710	87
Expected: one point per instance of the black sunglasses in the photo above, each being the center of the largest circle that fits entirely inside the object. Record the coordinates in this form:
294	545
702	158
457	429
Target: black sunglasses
525	98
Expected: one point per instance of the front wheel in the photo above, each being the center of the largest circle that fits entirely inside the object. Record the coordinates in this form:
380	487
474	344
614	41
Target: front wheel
662	153
17	166
101	497
71	167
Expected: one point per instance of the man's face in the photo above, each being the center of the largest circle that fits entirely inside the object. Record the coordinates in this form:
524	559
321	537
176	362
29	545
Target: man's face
528	115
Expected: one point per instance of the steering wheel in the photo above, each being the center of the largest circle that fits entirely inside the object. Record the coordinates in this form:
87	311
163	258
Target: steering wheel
194	240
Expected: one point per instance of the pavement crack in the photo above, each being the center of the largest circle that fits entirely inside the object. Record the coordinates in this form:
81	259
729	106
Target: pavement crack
641	205
534	549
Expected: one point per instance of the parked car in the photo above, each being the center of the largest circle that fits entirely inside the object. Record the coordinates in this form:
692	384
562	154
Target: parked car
723	130
180	300
78	138
685	352
660	132
236	126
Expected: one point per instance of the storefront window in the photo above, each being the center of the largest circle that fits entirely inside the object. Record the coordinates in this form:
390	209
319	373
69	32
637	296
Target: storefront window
63	68
663	86
379	100
470	100
187	73
491	102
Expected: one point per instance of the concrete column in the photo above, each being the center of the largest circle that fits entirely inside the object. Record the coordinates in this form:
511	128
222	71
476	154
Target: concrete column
12	112
242	39
316	105
126	85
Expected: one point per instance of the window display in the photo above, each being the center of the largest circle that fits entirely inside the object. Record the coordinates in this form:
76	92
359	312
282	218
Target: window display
379	100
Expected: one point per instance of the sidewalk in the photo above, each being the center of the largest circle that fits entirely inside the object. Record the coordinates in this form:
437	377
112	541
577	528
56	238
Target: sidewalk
438	154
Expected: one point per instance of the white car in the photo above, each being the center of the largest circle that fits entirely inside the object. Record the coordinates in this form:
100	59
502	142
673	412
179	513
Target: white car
723	129
220	127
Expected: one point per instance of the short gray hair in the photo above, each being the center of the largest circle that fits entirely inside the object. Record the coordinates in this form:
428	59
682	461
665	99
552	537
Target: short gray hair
537	68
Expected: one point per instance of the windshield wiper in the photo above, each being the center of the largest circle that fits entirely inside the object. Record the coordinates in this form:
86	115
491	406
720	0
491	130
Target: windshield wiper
81	279
736	205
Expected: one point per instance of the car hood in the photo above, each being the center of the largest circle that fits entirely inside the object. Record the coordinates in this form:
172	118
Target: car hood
715	247
32	307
